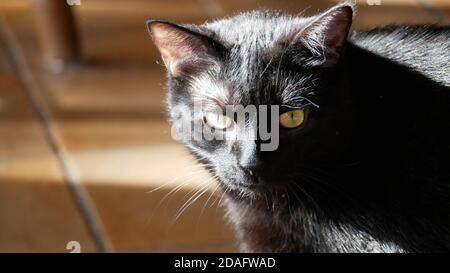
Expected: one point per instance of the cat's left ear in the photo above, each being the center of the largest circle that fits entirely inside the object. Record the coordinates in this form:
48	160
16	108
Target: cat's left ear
181	48
321	42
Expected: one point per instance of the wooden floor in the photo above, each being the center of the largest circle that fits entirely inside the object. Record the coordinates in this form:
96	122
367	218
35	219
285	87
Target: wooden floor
82	151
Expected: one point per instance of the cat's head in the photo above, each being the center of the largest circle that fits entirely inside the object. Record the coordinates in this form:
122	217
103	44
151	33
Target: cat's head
253	59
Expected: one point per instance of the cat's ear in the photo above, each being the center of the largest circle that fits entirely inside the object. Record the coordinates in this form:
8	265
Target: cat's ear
321	42
180	47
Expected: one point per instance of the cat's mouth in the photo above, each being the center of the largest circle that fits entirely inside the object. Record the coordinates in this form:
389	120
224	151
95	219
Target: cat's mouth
242	187
252	186
253	192
248	181
253	183
247	186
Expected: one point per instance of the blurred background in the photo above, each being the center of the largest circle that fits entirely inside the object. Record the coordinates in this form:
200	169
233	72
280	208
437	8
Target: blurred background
86	154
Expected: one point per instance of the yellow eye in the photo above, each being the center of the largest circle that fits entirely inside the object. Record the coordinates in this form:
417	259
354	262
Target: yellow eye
218	121
292	119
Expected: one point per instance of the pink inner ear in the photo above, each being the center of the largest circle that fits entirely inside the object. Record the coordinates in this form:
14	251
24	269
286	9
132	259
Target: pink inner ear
176	45
338	27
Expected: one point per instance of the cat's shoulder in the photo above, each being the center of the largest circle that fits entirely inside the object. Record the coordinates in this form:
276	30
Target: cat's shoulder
425	49
401	33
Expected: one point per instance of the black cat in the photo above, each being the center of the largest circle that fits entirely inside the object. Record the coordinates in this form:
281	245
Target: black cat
363	162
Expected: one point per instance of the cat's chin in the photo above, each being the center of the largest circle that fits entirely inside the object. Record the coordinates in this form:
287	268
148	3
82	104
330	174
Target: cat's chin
250	190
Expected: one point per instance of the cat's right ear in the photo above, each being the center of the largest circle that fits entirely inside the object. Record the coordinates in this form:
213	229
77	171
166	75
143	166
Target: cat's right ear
180	47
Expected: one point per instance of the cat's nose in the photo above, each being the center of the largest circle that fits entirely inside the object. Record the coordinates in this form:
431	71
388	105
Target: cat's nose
253	173
249	168
249	160
252	168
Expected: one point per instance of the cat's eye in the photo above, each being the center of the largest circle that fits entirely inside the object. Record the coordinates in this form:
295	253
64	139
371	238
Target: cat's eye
292	119
218	121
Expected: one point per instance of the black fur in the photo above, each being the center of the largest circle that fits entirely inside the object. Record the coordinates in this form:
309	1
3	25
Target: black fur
369	171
